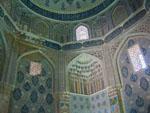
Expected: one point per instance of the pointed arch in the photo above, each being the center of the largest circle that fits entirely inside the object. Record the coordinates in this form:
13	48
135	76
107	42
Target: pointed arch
34	88
130	79
85	74
82	32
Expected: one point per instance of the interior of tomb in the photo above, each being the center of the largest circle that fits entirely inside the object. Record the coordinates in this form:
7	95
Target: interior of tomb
74	56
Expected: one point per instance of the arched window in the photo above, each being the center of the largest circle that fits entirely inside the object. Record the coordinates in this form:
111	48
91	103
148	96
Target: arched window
137	58
134	66
82	33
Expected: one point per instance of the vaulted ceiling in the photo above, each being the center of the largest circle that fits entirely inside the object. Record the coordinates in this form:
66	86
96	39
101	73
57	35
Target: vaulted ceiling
68	10
57	19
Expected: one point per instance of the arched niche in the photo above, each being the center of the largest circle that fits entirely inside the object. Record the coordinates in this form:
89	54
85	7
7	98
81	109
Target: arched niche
34	90
100	27
134	76
85	74
41	28
135	4
60	32
119	14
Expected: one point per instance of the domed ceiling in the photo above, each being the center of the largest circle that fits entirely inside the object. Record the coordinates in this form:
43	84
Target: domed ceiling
85	65
63	16
67	10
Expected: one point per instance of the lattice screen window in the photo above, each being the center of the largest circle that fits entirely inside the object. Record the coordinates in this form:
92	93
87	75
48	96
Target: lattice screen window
82	33
35	68
137	58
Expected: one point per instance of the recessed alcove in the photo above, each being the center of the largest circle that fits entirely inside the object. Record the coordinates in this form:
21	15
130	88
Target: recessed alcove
74	56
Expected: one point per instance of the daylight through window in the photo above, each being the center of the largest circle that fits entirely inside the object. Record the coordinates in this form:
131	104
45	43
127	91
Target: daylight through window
82	33
137	58
35	68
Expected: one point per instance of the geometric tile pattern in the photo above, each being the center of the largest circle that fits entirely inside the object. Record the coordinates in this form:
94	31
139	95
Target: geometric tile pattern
136	88
32	94
55	14
95	103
